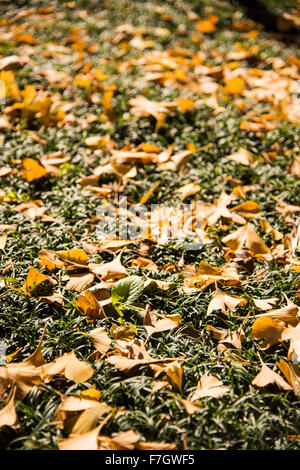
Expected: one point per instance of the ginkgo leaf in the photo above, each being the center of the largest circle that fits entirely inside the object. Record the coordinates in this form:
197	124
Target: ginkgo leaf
141	106
173	371
32	170
189	406
291	373
244	157
209	386
88	419
267	377
221	300
288	314
36	283
265	304
75	256
247	236
80	282
3	240
268	330
227	338
50	260
109	271
69	366
124	441
100	339
86	441
185	104
188	190
8	415
207	274
234	86
155	446
90	306
155	324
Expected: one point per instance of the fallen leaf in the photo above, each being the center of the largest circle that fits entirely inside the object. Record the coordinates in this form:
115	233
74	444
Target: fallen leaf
267	377
244	157
247	236
100	339
209	386
32	170
221	300
8	415
268	330
109	271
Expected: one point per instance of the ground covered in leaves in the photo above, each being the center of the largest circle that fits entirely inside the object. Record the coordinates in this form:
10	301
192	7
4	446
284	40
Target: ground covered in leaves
119	327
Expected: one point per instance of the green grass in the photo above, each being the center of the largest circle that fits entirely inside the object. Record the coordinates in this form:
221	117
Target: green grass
245	418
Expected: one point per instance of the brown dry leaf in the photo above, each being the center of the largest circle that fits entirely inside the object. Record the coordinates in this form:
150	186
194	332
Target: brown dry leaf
244	157
86	441
188	190
79	282
293	334
265	304
221	300
13	61
54	76
190	407
207	274
227	338
267	377
109	271
69	366
213	212
295	168
154	324
88	419
247	236
50	260
3	240
26	374
8	415
129	354
288	314
32	170
176	162
142	107
209	386
67	416
131	156
31	210
291	373
107	244
155	446
100	339
173	371
53	161
124	441
268	330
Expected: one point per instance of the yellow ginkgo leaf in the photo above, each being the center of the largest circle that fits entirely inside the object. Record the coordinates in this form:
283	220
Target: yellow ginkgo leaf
235	86
268	330
32	170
